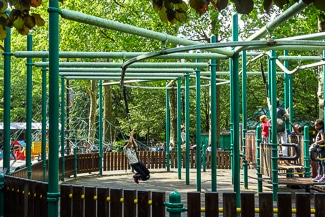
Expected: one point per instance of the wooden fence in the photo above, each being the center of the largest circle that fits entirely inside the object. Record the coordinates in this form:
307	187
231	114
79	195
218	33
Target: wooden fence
24	197
157	160
86	163
112	161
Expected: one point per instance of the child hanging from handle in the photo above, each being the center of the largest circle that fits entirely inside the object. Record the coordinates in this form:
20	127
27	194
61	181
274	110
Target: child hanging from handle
130	151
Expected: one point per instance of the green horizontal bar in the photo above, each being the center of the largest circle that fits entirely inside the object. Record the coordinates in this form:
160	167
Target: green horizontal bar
192	74
298	47
119	74
163	88
300	58
115	55
314	36
127	81
119	64
290	58
116	78
152	70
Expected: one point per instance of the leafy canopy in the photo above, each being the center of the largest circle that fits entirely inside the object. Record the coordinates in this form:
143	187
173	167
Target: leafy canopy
174	11
20	16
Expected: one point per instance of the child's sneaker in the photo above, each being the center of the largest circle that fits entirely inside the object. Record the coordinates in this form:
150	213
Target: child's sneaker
322	180
136	179
317	178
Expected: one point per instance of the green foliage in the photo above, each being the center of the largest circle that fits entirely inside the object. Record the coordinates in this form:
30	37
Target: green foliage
19	17
167	8
171	11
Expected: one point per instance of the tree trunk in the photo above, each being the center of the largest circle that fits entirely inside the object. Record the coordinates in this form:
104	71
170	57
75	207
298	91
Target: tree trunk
92	128
320	93
173	114
108	118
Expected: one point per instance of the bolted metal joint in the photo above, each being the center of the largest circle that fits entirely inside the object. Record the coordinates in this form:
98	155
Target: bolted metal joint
175	206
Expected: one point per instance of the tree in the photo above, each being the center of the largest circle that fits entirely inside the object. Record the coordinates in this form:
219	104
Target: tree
19	17
176	10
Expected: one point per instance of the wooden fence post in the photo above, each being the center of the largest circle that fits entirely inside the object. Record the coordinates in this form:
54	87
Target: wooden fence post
247	200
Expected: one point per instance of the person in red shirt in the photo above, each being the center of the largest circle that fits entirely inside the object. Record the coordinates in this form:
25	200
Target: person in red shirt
265	128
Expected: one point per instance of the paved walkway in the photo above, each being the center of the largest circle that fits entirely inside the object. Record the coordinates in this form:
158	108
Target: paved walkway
163	181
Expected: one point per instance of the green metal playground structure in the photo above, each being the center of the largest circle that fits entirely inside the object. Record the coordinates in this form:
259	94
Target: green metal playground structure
134	70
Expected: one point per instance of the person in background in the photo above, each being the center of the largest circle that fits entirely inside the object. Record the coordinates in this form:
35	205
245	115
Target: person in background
12	149
265	128
183	134
162	147
318	146
281	113
282	134
71	95
297	131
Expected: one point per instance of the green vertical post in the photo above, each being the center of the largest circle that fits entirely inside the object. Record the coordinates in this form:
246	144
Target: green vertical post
274	136
63	128
187	128
288	97
258	158
213	90
53	183
29	86
75	154
167	130
232	163
323	80
306	155
6	115
44	127
234	83
100	127
179	140
198	127
75	169
244	119
2	193
269	76
6	103
288	102
306	152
